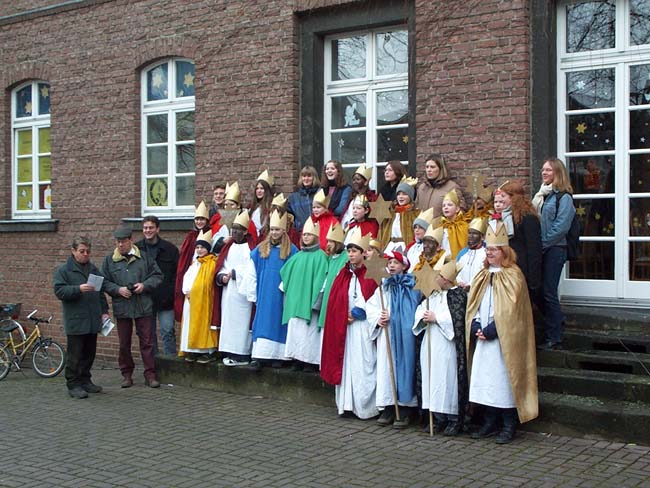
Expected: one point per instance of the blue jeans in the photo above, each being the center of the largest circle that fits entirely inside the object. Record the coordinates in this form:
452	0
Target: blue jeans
167	332
552	264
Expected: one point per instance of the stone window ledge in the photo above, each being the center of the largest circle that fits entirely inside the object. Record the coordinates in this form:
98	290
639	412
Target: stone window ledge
166	224
27	225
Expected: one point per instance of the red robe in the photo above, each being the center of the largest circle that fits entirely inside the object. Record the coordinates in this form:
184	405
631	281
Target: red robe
368	226
325	221
336	322
184	261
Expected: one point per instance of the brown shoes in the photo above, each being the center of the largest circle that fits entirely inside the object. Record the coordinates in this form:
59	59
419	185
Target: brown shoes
127	382
152	383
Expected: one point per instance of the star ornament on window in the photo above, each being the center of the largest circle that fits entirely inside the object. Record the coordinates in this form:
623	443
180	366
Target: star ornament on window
340	142
45	92
28	108
188	80
581	128
405	139
157	80
580	211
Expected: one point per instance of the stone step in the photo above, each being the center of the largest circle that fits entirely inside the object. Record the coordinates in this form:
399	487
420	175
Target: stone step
595	360
607	318
606	340
599	384
616	420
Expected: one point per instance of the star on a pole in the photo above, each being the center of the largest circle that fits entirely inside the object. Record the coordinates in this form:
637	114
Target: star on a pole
380	210
475	183
376	269
425	280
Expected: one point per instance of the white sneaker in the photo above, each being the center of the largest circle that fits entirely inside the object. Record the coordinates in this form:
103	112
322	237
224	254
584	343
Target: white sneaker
234	362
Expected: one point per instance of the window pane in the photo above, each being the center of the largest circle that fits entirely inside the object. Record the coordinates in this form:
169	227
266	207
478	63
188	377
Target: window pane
185	158
24	170
184	126
639	129
45	196
24	142
43	98
640	84
44	140
156	192
392	52
349	58
185	190
156	128
392	144
639	261
590	26
348	111
157	83
639	173
349	147
639	22
184	79
24	198
392	107
157	160
596	262
593	174
591	132
44	168
590	89
596	216
640	216
24	102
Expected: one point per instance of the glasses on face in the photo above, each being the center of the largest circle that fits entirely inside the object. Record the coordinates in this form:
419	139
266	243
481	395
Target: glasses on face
492	250
83	251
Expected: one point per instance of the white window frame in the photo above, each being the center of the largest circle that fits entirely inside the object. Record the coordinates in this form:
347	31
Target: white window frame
35	123
170	107
619	58
369	86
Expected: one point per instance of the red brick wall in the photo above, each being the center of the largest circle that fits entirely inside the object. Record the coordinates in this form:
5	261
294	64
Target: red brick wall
472	105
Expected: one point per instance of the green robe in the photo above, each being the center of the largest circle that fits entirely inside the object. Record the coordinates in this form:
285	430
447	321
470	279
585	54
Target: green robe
302	279
334	265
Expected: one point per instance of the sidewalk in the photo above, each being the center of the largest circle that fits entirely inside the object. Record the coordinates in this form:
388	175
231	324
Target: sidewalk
176	437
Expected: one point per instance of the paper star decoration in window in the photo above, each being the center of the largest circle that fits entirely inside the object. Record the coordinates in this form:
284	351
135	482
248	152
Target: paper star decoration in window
405	139
425	280
188	80
157	80
580	85
580	211
28	108
581	128
45	91
380	210
376	269
597	216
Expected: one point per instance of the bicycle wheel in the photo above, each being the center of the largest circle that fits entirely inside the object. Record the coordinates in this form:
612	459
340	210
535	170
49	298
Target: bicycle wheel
5	362
48	358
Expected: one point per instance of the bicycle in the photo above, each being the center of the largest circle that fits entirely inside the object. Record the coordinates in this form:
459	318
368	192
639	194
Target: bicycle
48	356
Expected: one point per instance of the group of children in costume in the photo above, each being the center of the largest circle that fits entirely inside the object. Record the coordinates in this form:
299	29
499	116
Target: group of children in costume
391	336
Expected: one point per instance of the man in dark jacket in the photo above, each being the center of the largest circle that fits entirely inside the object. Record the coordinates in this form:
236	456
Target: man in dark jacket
131	278
84	310
166	256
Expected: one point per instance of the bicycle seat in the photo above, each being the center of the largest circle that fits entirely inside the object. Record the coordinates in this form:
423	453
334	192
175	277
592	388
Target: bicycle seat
10	327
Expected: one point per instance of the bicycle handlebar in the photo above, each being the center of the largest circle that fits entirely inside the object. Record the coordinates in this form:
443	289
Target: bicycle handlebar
38	320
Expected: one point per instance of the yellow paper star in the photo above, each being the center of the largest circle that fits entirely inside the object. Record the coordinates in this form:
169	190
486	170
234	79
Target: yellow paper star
28	108
380	210
425	280
188	80
405	139
581	128
376	269
597	216
45	91
157	80
580	211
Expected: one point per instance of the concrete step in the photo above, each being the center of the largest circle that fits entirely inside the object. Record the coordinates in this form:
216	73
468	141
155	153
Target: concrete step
607	318
603	385
606	340
595	360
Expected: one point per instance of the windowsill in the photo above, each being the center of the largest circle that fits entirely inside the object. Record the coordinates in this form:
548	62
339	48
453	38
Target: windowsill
29	225
166	223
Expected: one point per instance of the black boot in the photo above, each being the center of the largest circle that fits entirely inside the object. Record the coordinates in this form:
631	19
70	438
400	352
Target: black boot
489	427
510	420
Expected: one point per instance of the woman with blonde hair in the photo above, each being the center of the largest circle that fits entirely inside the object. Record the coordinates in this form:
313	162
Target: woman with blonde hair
299	204
555	205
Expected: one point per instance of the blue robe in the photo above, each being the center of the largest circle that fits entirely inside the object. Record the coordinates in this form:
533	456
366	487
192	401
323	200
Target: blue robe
267	323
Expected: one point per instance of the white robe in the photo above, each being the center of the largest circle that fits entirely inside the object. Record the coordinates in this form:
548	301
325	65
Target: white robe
188	281
223	232
440	389
396	233
235	336
489	381
413	254
384	384
304	339
356	393
472	261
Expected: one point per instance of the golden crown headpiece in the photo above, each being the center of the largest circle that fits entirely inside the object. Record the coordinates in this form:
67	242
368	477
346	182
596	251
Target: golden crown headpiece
321	199
266	176
361	200
279	200
359	240
232	192
242	219
205	236
375	243
364	171
409	181
336	233
478	224
278	221
201	210
452	196
435	233
311	228
497	236
485	194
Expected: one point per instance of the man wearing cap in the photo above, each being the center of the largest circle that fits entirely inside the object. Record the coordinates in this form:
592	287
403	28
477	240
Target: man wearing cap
472	257
131	277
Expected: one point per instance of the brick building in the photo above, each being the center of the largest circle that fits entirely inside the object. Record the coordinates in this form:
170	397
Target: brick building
115	109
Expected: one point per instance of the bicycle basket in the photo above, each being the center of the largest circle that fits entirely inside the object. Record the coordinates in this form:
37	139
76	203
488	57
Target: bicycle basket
10	310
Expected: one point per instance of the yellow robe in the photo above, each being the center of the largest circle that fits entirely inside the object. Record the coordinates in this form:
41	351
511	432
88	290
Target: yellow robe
201	305
457	231
513	317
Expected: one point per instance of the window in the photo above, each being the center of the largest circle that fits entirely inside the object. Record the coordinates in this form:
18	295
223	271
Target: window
168	138
31	168
366	106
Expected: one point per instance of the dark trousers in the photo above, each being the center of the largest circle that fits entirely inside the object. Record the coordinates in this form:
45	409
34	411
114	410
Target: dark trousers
125	359
80	356
552	264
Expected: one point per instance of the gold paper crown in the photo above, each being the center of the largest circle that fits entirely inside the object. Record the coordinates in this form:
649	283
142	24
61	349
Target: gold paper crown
361	200
321	199
279	200
409	181
265	176
478	224
205	236
358	240
435	233
498	237
453	197
426	215
232	192
485	194
336	233
375	243
201	210
447	267
363	171
242	219
277	221
311	228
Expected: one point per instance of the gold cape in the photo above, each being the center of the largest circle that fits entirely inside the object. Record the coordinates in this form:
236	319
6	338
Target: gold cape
405	223
201	304
513	317
457	231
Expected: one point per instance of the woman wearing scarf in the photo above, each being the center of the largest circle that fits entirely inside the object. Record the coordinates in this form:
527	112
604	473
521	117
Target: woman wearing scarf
436	185
454	224
299	204
335	188
394	173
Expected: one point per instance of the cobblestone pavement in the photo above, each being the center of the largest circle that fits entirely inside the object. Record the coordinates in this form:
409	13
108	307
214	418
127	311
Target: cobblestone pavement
177	437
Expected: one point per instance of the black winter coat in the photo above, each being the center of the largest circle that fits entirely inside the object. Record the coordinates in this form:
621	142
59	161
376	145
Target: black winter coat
166	256
527	243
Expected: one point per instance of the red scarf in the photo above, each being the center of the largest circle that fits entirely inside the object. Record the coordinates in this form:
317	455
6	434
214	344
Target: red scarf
403	208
